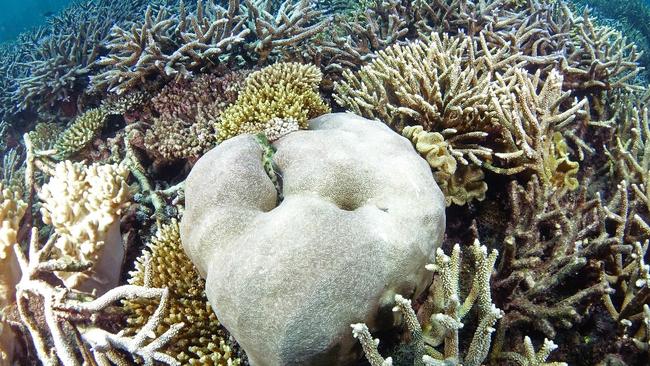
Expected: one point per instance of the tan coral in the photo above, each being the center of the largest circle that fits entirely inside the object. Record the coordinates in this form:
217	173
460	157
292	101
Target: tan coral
283	90
83	204
12	209
202	341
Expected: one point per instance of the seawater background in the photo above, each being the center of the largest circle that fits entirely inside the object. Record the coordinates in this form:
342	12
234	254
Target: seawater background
17	16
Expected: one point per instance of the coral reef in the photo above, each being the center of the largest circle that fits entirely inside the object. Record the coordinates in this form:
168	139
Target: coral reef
439	320
284	91
164	265
169	44
187	111
83	205
498	119
532	117
80	133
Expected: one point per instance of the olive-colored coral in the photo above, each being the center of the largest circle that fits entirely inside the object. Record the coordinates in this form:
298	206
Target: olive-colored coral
80	133
202	341
285	90
44	135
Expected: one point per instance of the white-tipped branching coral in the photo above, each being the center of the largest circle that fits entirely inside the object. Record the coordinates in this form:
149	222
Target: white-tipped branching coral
440	318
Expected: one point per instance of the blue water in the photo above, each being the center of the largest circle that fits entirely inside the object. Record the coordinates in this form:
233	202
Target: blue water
19	16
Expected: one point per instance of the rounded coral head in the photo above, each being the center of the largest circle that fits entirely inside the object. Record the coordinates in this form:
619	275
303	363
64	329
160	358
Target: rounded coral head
360	218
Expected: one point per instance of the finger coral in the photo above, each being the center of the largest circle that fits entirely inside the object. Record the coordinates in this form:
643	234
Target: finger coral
83	204
283	91
80	133
202	341
12	209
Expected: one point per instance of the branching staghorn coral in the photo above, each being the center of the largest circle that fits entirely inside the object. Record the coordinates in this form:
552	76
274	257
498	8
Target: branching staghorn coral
80	133
64	325
202	341
60	64
283	90
545	279
83	205
491	114
170	45
279	28
439	84
599	57
439	319
368	27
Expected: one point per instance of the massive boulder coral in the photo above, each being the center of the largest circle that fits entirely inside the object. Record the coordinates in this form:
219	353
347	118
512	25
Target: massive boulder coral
360	217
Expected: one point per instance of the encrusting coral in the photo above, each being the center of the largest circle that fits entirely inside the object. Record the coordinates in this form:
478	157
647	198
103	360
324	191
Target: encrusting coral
202	341
80	133
280	92
83	204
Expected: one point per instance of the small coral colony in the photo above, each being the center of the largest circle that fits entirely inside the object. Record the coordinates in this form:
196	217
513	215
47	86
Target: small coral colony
176	190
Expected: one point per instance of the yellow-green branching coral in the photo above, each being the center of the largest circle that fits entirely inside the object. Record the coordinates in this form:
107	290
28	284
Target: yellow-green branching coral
202	341
285	91
80	133
44	135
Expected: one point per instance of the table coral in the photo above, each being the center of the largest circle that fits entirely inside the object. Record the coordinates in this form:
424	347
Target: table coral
202	341
283	90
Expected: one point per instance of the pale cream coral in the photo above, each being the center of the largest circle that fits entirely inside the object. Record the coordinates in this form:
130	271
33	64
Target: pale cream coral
84	204
12	209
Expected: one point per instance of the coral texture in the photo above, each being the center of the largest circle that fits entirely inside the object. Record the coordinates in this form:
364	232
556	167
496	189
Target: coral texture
83	204
285	91
165	265
351	231
80	133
